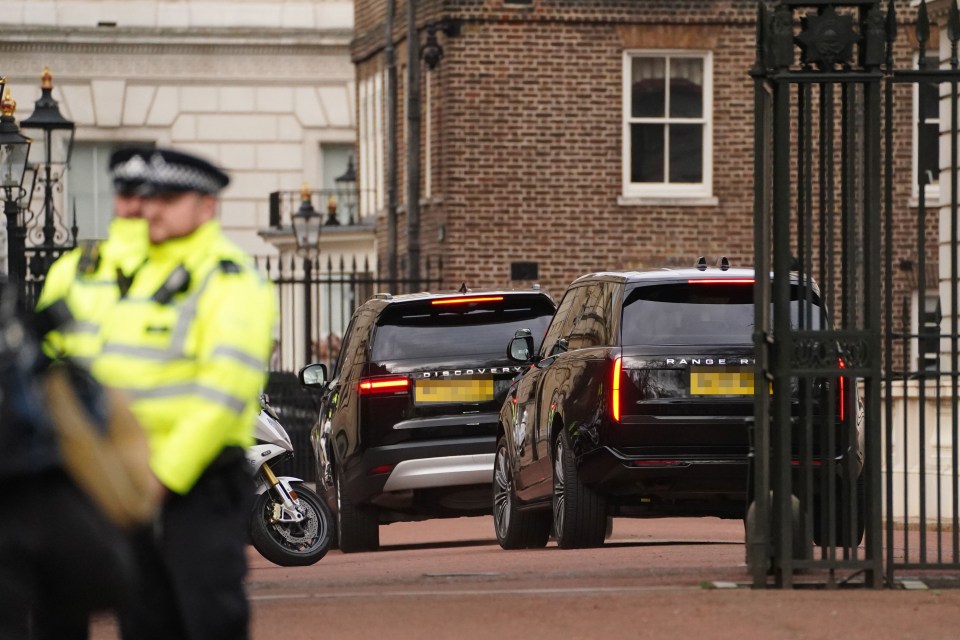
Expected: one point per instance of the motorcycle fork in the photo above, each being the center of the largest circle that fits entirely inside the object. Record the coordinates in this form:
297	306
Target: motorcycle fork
286	504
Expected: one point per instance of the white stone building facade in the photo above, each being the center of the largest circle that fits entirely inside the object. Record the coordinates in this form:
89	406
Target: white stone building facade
266	89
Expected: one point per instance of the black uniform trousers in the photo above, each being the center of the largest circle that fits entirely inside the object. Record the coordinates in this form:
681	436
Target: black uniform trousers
60	560
192	562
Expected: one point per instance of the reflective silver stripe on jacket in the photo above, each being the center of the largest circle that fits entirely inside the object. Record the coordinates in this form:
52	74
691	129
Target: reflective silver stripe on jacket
240	356
178	336
147	353
222	398
85	327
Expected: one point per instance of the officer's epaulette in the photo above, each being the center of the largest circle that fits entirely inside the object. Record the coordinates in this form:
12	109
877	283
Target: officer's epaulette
229	266
89	257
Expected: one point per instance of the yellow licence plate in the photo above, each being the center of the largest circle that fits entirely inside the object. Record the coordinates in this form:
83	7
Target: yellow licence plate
469	390
721	381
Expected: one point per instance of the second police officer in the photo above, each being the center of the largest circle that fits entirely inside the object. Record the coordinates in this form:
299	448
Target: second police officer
91	277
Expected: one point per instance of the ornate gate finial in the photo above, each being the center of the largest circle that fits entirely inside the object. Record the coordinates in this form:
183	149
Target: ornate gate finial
827	38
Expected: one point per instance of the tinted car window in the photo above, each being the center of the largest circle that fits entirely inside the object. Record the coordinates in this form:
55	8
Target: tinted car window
701	314
561	322
353	351
425	330
592	322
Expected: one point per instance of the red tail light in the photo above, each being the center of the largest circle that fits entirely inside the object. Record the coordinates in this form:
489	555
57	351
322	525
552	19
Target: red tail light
380	470
615	386
371	386
842	392
468	300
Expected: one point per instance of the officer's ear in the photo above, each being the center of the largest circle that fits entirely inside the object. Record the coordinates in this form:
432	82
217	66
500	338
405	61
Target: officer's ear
208	206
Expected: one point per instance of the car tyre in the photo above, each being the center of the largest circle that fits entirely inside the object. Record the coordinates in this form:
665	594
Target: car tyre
820	533
358	526
579	512
515	529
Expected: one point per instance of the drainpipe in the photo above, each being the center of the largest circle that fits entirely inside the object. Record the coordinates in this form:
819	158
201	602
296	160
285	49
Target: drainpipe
391	59
413	145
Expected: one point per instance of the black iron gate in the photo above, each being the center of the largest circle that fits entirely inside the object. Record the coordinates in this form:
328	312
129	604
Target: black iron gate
860	383
921	409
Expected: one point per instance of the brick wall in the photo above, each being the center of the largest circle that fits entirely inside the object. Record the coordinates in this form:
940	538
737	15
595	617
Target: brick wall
527	133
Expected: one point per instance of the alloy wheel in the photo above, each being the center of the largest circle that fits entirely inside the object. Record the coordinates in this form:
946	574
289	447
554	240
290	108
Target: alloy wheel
502	491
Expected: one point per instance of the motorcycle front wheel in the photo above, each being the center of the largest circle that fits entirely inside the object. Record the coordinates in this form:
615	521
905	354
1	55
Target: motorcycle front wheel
291	544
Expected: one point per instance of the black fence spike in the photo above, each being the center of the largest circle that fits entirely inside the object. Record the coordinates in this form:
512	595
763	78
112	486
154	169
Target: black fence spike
891	30
758	63
923	26
953	32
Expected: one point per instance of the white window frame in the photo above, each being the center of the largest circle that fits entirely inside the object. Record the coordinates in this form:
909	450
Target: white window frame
370	160
680	193
932	191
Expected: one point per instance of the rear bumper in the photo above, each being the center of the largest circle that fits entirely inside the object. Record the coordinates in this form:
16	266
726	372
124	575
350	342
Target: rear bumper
680	477
662	482
425	464
446	471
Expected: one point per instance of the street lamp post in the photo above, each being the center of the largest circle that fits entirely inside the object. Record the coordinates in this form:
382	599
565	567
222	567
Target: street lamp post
347	189
14	150
306	231
56	139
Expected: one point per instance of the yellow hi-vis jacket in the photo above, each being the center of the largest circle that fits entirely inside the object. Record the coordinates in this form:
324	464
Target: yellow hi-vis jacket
189	344
89	279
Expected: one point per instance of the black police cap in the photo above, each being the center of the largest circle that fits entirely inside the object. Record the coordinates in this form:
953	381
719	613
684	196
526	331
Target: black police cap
170	171
128	167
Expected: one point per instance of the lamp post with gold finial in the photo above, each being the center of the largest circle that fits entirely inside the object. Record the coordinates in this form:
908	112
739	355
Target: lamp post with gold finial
14	150
306	231
55	138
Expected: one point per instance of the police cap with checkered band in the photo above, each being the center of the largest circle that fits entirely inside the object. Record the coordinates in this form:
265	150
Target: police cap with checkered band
128	168
170	171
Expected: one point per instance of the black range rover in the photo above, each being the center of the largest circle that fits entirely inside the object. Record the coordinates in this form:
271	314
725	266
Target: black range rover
639	404
408	420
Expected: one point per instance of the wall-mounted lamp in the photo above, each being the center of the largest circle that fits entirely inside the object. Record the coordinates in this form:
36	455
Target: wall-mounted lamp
432	52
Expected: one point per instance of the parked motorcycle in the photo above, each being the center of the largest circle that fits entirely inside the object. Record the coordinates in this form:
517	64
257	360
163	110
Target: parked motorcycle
290	525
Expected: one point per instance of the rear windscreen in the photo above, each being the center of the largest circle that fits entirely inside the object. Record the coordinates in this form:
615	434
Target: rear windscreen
423	330
682	313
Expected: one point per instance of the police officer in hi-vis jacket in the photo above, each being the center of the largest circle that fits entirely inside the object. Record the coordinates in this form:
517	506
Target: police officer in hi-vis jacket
188	341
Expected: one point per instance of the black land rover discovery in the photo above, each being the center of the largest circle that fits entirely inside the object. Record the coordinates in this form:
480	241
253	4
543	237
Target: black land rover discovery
408	420
639	403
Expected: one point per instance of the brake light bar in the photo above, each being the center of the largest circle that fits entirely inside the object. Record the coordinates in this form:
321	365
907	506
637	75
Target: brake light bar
369	386
617	366
468	300
721	281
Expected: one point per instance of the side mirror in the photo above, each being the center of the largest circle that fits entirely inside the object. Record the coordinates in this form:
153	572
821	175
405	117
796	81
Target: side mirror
313	376
520	348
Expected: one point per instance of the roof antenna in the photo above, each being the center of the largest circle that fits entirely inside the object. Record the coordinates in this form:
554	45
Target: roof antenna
702	263
723	263
463	287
